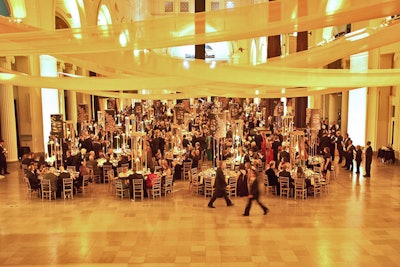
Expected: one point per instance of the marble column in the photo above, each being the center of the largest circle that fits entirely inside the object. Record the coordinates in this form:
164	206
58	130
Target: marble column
7	114
72	107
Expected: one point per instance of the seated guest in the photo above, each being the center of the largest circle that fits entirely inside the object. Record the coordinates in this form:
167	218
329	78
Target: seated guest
195	158
27	159
93	163
69	160
272	177
124	160
166	170
34	181
83	170
149	181
51	175
286	173
242	187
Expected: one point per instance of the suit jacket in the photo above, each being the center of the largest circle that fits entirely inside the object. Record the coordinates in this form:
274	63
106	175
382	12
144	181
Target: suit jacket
368	154
220	182
33	180
53	180
2	153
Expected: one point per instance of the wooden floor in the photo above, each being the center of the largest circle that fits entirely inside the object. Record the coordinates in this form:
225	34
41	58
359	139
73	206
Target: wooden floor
357	224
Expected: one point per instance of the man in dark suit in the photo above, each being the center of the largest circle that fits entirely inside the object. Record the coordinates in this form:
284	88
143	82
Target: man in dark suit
33	179
368	159
220	186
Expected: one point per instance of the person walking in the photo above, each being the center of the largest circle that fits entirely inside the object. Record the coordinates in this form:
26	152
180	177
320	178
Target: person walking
220	186
254	194
368	159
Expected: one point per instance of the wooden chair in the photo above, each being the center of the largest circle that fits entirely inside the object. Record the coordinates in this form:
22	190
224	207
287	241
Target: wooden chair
85	184
71	169
168	186
120	190
316	186
285	186
324	183
156	188
29	189
268	188
68	188
300	189
46	189
208	187
106	168
111	179
232	189
138	190
187	166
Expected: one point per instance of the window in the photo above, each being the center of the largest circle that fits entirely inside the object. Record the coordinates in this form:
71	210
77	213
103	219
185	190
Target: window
168	6
214	5
184	7
230	4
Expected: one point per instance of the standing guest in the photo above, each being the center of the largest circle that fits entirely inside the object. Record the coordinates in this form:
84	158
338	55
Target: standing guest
327	161
339	145
358	158
242	188
254	194
368	159
3	160
220	186
349	155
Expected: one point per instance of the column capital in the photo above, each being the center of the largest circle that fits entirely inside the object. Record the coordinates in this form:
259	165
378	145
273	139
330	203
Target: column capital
60	66
396	57
70	68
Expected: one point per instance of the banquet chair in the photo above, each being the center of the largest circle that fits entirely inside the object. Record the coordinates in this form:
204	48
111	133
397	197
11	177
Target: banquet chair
332	173
231	190
208	187
317	168
300	189
93	177
187	166
46	189
68	188
324	183
156	188
24	168
285	186
120	190
316	186
85	184
268	188
71	168
29	189
168	186
195	181
138	188
106	168
111	179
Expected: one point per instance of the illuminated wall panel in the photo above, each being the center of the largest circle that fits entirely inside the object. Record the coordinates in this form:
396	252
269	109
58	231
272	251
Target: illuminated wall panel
48	68
357	112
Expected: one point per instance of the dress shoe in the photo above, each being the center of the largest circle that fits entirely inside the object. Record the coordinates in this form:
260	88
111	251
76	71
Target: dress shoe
266	211
245	214
6	173
230	204
367	175
212	207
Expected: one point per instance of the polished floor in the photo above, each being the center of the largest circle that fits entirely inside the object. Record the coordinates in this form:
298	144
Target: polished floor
357	224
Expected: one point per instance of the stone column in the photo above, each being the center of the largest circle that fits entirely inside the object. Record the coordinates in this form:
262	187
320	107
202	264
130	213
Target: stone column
7	114
72	108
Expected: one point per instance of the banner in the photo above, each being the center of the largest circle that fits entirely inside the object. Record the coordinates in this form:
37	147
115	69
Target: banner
313	118
234	109
179	114
138	111
57	125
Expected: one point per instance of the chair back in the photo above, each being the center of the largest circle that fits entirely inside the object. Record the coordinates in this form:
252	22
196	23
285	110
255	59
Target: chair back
68	187
284	181
71	168
46	188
